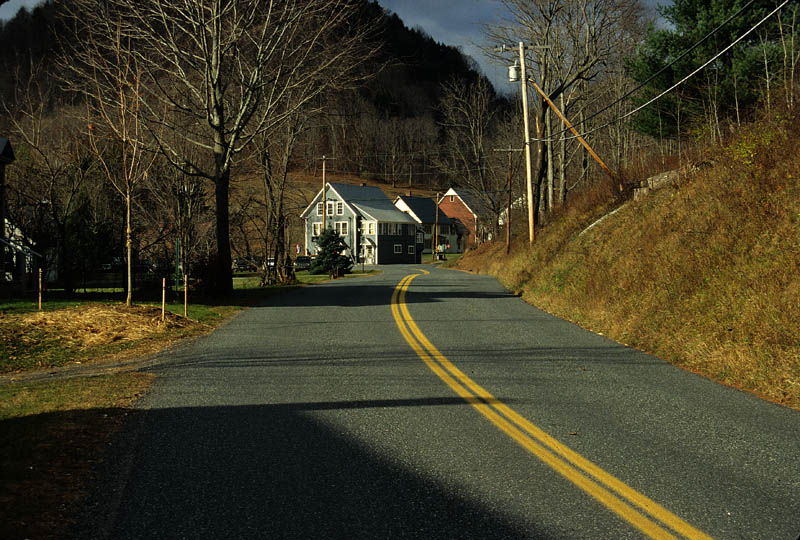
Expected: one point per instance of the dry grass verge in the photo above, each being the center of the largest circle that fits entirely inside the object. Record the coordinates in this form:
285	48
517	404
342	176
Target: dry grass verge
87	333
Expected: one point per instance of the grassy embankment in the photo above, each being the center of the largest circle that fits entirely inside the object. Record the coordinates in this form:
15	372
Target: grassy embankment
704	273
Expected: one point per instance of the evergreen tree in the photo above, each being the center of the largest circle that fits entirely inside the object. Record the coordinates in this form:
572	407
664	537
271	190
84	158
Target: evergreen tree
330	259
728	88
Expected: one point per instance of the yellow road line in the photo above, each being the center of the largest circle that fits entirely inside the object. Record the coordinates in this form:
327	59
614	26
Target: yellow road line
536	441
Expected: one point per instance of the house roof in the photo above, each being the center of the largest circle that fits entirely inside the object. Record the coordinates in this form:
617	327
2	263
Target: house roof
369	201
352	193
470	198
6	152
424	209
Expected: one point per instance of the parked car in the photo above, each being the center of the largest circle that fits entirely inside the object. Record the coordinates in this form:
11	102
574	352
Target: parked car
302	262
245	264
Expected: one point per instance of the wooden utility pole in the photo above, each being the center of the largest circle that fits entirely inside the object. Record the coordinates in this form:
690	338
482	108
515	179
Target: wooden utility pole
508	206
435	245
513	76
528	175
324	195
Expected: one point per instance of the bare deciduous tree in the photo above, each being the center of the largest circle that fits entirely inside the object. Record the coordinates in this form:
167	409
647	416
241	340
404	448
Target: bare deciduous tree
571	40
104	70
217	73
467	117
55	166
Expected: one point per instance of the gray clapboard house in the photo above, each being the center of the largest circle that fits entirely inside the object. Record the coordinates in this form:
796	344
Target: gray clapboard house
375	231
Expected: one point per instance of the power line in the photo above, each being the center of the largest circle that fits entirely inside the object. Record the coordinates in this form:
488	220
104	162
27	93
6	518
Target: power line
665	68
693	73
662	94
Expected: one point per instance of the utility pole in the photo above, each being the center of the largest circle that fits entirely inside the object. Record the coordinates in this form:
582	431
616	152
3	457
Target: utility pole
508	206
513	76
528	177
324	193
435	245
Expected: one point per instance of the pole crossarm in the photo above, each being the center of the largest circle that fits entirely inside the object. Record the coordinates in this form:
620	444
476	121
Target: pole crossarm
507	48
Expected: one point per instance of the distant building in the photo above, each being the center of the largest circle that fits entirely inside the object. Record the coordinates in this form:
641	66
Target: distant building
423	210
373	228
462	206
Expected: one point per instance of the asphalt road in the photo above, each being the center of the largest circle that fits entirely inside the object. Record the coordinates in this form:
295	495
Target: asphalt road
316	417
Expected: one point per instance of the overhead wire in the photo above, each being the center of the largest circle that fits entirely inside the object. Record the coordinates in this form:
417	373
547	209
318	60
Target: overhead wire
665	92
665	68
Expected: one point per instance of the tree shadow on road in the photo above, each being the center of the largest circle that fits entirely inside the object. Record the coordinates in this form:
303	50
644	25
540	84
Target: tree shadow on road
270	472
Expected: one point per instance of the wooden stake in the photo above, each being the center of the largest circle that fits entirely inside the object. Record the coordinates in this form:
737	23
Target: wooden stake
186	295
40	289
163	299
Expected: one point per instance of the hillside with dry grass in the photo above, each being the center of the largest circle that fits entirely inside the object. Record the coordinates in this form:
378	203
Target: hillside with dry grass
704	273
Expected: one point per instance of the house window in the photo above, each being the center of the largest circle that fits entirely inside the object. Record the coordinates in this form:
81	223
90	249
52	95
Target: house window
420	238
398	249
330	208
339	208
371	227
452	198
319	209
316	229
341	228
411	249
411	230
383	228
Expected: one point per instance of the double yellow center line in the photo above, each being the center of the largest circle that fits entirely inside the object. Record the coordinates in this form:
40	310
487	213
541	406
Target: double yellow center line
638	510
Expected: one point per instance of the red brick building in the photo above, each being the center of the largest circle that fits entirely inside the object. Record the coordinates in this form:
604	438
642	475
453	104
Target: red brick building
458	205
